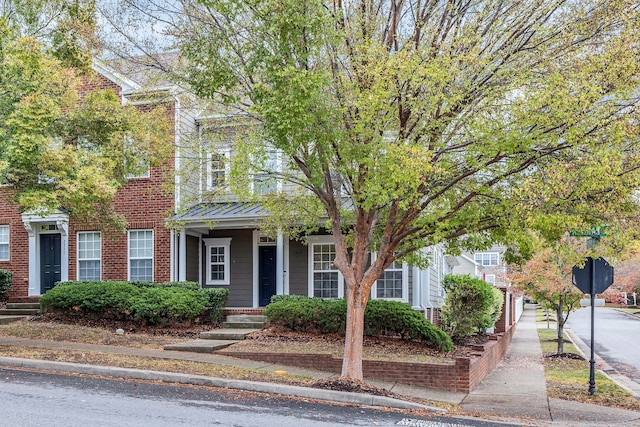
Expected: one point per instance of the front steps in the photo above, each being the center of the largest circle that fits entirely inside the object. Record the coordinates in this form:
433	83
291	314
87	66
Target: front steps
15	311
236	328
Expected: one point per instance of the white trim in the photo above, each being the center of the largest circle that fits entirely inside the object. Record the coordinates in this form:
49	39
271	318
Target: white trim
129	251
224	242
33	222
87	259
282	264
278	162
8	242
489	254
225	153
405	283
321	240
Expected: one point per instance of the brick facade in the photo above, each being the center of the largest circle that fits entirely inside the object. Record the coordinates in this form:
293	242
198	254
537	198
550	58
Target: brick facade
145	203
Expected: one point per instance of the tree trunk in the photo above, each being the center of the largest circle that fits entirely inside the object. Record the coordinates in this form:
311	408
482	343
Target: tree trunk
353	344
560	326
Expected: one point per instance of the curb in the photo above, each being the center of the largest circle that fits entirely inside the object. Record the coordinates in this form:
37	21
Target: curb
606	369
255	386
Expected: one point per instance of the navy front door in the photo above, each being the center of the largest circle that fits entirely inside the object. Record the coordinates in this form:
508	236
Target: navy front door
50	256
266	274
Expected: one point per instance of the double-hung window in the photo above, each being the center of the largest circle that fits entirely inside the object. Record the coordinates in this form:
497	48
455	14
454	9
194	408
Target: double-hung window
325	279
486	258
217	169
89	255
141	255
390	285
265	180
217	260
4	243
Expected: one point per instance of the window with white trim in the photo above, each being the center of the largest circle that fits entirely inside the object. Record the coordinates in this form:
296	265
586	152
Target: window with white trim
390	284
486	258
218	251
490	278
141	255
217	169
326	278
89	255
265	180
4	243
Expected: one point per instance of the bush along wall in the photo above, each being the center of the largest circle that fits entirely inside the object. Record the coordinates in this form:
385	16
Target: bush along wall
6	278
145	303
470	305
381	317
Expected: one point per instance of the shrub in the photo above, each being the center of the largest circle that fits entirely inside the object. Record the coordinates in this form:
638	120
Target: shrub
125	301
300	313
395	318
217	300
496	308
467	305
6	278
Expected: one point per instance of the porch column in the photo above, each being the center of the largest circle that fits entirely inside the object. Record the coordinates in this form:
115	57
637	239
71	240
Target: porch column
182	256
279	264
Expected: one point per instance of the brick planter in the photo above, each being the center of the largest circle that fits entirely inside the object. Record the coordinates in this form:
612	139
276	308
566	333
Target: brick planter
463	375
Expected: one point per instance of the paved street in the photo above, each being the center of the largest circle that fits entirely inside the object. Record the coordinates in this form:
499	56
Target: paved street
615	337
52	400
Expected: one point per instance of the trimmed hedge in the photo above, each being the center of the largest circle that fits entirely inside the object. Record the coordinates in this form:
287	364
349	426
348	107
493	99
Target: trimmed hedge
6	278
218	298
381	317
468	306
151	304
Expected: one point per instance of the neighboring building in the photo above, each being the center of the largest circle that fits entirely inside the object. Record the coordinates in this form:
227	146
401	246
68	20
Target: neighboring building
215	241
487	265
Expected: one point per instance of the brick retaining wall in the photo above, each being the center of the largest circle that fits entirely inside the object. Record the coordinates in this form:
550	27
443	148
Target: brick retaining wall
461	376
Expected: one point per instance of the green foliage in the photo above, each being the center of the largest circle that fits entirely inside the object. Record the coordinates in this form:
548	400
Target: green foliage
496	308
395	318
218	298
468	305
59	149
6	280
382	317
126	301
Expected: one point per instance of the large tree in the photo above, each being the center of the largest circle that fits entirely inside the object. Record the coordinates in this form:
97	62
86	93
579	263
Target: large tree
413	122
61	148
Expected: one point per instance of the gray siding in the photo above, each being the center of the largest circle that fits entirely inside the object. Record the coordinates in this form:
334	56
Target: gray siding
193	258
241	266
298	269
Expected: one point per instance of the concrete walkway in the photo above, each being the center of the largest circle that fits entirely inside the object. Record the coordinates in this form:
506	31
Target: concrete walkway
514	392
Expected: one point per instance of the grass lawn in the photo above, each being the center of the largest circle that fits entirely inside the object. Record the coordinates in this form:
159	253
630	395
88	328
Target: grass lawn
568	378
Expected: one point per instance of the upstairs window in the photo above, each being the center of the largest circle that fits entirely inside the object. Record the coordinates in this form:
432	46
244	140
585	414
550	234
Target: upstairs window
265	180
217	170
486	258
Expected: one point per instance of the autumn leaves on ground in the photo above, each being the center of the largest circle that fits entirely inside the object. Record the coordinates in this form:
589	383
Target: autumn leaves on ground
565	376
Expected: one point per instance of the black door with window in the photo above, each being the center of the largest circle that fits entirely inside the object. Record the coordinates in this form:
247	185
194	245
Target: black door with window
50	256
266	274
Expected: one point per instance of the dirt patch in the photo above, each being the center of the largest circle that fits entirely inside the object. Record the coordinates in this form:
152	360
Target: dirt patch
563	356
280	340
344	384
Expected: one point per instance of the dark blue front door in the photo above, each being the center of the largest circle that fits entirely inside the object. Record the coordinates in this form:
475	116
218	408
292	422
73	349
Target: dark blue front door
50	257
266	274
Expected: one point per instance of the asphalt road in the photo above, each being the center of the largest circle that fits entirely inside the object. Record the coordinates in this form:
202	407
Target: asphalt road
616	338
42	399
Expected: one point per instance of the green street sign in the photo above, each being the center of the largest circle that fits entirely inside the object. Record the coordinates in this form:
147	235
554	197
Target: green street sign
594	231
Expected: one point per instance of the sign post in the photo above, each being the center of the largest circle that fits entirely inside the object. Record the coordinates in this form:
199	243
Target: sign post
594	278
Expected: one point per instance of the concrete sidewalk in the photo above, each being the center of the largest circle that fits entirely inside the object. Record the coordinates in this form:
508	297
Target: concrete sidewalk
514	392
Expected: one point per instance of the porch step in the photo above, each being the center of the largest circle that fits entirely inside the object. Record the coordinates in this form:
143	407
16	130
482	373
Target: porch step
4	320
200	346
19	312
243	325
24	305
227	334
245	321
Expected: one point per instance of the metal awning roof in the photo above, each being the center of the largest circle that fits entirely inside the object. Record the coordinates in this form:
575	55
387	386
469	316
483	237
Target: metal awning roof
221	212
